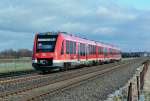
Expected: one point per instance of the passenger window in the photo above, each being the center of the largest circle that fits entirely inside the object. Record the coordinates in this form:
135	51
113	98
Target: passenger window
83	49
99	50
71	47
74	46
62	48
67	47
105	51
80	49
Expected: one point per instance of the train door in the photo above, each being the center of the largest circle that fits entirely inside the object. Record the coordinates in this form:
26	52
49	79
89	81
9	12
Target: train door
63	50
78	51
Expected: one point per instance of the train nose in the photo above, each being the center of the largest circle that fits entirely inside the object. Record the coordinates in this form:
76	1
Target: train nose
45	62
45	55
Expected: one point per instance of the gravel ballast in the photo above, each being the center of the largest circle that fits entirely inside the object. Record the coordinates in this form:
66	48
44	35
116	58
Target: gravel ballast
53	77
97	88
147	85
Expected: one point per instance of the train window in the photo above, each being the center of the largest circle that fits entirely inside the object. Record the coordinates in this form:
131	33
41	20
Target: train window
90	49
71	47
101	50
83	49
46	43
74	47
67	47
111	52
80	49
94	49
62	47
87	49
108	51
105	51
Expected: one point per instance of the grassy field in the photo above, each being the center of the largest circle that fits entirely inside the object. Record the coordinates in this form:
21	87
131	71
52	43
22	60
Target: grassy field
11	65
21	64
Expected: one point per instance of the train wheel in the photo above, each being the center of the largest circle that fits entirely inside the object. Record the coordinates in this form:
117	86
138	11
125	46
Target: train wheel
44	72
66	66
61	69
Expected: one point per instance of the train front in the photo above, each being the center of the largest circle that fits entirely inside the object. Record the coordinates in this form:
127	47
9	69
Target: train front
44	51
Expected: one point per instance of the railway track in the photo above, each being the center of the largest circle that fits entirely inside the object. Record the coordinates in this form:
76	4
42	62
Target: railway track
15	75
28	76
52	83
19	76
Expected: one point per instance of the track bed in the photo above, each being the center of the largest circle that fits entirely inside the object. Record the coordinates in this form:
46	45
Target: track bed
58	85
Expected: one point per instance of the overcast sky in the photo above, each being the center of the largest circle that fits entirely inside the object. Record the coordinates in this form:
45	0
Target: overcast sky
125	23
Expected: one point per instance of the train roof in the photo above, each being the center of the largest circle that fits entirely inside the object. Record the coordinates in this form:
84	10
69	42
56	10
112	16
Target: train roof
84	40
71	37
77	39
48	33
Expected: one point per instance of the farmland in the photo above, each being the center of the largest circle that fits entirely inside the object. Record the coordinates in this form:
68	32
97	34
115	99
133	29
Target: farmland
12	65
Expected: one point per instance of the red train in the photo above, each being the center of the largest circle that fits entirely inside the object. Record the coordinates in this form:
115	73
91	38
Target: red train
60	50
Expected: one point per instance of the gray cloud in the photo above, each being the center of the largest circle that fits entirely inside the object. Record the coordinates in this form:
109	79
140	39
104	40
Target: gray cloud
101	20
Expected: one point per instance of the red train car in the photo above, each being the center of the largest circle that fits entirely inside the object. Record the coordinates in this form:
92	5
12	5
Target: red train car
62	50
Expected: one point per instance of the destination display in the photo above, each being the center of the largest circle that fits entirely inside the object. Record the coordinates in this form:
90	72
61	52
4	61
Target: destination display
47	39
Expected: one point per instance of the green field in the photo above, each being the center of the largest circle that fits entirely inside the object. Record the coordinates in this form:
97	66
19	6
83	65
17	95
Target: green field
22	64
11	65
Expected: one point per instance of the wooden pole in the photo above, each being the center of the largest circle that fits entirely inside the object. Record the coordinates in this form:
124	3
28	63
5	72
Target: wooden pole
130	92
138	89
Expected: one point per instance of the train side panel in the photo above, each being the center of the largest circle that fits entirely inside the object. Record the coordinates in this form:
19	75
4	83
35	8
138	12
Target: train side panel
70	51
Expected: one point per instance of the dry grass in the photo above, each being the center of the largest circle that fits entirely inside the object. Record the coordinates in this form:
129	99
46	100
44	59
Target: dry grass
15	65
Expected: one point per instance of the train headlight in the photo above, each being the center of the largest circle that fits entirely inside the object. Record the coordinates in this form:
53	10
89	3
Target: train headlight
34	61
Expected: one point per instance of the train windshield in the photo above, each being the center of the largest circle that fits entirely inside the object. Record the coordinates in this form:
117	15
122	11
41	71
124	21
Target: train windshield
46	43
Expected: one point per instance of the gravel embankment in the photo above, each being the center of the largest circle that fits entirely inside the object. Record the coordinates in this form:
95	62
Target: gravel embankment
16	65
54	77
147	85
96	89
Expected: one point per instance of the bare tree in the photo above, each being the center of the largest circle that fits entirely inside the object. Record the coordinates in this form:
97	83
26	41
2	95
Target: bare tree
10	53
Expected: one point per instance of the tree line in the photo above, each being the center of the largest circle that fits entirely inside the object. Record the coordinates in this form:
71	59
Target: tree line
134	54
11	53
